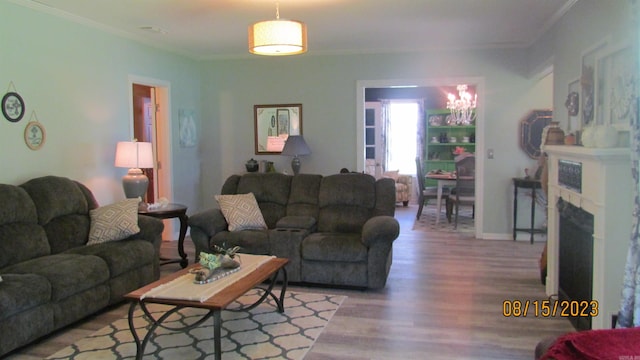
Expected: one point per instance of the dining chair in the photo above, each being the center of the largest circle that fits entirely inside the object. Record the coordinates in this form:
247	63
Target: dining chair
425	193
464	192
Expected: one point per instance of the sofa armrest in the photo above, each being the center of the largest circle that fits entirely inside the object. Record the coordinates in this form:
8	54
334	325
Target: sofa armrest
150	230
380	229
297	222
203	225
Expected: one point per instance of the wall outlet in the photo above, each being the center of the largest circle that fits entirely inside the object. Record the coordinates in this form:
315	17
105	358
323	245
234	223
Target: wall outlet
489	153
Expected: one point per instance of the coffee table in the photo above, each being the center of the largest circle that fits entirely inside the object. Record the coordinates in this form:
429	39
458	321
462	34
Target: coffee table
214	304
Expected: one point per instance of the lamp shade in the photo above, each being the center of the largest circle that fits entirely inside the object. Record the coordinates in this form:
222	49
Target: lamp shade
295	146
133	154
278	37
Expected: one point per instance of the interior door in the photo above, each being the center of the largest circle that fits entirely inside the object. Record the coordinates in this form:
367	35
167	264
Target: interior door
144	129
373	139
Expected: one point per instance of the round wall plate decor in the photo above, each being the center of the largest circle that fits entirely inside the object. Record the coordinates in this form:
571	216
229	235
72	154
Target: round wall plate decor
34	135
12	106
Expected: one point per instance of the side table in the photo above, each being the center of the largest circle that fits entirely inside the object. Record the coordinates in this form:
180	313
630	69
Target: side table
171	211
533	185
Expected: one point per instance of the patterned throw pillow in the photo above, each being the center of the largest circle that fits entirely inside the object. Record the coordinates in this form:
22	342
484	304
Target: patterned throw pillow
241	212
114	222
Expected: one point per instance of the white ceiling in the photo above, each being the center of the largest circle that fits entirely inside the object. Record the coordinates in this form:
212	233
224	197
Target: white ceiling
218	28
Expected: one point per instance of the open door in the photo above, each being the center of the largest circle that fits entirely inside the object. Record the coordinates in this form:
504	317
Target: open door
150	121
144	129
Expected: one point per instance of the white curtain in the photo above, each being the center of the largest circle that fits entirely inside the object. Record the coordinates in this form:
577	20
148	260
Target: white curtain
385	119
629	315
403	129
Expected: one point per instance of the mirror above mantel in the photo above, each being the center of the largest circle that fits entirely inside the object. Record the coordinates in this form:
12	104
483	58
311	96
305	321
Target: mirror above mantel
273	124
531	127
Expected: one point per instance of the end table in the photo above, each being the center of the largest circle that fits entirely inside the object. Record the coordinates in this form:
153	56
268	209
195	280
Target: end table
171	211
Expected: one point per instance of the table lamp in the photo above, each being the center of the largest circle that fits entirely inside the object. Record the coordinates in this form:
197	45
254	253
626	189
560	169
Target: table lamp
134	155
295	146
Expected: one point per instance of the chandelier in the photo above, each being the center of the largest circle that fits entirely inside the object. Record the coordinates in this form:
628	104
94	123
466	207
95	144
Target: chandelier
278	37
462	109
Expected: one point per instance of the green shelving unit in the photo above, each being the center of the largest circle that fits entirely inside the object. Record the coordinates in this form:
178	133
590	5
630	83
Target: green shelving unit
439	146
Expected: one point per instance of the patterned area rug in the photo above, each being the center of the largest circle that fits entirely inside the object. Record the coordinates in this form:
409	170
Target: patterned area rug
262	333
427	221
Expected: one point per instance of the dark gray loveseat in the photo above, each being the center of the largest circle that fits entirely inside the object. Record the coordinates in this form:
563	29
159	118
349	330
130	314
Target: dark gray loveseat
50	278
335	230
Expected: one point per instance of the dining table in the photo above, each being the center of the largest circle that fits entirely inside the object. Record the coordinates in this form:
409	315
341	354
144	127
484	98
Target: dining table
443	179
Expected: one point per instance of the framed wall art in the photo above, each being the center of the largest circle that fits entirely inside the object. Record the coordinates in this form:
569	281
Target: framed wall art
12	106
573	105
187	128
273	124
587	82
34	135
616	79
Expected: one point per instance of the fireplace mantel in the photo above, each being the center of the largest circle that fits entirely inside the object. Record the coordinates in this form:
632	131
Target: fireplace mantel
606	192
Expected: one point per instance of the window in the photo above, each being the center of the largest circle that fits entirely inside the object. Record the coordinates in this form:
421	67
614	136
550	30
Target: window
401	136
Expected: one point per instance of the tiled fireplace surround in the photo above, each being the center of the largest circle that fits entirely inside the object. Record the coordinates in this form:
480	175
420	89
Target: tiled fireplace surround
606	193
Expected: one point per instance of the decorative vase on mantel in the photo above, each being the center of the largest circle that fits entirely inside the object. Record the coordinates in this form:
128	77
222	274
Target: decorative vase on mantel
552	134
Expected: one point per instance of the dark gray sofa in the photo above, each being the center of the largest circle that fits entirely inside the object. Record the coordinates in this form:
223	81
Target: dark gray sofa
50	278
335	230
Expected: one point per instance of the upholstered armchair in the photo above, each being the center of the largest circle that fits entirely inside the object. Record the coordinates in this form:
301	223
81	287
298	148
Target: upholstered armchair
403	186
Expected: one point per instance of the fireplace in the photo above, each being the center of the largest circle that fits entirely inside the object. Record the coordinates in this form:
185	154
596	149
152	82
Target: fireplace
588	236
575	258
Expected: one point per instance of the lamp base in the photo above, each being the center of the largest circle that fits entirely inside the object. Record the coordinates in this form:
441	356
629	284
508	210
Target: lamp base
135	184
295	165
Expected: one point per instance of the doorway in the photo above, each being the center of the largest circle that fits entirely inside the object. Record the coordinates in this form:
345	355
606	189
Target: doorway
150	121
477	82
144	125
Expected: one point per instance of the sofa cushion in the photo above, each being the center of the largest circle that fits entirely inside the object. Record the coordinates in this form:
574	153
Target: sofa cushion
56	196
241	212
21	238
20	292
68	274
63	210
346	202
303	199
271	191
297	222
120	256
334	247
114	222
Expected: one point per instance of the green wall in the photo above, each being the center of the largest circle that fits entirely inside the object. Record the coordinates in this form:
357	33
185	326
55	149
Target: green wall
76	79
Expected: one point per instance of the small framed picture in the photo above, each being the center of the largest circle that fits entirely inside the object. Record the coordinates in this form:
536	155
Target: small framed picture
34	135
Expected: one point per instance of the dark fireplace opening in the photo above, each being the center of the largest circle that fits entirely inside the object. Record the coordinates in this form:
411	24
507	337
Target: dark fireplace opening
575	278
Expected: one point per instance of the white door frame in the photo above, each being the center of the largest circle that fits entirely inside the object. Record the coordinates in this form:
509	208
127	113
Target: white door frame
479	83
162	140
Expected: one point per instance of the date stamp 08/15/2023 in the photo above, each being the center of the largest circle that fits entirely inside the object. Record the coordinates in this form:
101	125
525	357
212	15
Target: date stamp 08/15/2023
550	308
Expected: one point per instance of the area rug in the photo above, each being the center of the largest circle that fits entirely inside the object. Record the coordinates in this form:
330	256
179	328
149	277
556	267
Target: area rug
261	333
427	221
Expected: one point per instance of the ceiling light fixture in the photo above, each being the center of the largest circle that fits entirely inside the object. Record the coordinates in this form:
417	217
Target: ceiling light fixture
278	37
463	110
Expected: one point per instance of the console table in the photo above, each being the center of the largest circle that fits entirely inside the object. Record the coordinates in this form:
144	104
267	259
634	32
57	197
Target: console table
533	185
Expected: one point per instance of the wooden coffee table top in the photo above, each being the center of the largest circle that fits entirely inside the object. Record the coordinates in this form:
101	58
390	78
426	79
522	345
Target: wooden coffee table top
220	300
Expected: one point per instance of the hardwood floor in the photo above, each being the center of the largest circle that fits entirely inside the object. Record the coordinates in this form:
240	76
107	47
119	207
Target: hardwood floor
443	300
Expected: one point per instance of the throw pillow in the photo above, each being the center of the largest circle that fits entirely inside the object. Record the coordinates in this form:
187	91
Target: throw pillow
114	222
241	212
